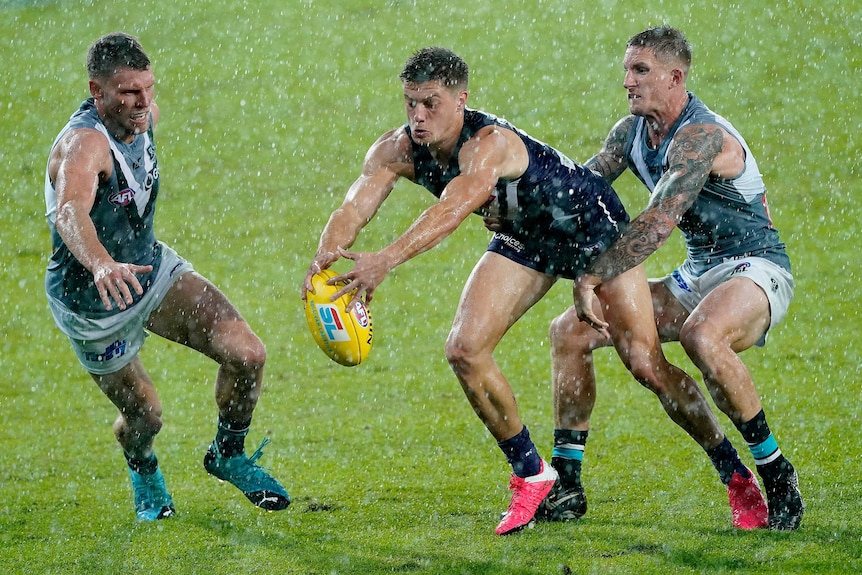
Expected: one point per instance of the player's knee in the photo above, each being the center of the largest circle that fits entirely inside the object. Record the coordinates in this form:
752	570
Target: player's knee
647	368
255	354
247	353
460	353
697	338
570	335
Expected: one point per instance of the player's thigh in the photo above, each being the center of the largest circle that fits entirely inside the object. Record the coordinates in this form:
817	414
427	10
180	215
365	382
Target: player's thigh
670	314
197	314
736	313
497	293
130	389
627	307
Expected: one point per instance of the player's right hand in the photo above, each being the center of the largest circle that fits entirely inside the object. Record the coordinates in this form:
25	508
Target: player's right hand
322	260
584	295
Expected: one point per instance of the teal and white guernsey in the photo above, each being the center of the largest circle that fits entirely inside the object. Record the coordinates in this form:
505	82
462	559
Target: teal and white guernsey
122	214
730	217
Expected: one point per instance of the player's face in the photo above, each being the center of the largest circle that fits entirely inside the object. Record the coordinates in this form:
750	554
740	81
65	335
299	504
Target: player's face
647	81
435	113
124	102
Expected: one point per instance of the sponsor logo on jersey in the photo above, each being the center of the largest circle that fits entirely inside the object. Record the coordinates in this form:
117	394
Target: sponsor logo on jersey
333	324
740	268
116	349
680	282
122	198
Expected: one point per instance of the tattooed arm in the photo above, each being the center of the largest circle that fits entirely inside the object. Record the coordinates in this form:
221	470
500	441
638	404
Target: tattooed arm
691	157
610	162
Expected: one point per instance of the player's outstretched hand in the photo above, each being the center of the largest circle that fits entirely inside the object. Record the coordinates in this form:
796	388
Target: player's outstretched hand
369	270
113	281
584	295
322	261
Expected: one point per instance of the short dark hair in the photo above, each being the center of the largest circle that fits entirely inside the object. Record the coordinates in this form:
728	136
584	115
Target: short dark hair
436	64
114	51
666	42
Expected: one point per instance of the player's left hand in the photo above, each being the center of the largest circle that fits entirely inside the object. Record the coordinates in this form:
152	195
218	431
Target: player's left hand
584	295
369	270
494	224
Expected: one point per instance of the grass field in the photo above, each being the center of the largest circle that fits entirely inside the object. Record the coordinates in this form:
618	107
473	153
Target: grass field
267	110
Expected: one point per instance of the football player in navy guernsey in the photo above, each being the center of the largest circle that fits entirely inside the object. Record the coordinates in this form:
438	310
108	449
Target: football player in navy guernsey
551	218
109	280
733	287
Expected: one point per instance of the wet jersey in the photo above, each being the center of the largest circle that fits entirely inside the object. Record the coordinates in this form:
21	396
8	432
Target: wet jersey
730	217
122	214
555	206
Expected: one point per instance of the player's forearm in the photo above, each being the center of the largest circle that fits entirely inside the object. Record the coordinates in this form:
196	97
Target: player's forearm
431	228
641	239
340	231
79	235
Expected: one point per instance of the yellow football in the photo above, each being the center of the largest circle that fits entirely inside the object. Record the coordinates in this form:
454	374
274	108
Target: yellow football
344	337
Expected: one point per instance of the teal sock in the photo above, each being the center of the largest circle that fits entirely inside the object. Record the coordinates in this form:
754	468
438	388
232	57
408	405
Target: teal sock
568	456
230	437
142	466
771	463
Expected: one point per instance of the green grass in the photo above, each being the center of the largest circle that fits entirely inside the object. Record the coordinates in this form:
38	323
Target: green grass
267	110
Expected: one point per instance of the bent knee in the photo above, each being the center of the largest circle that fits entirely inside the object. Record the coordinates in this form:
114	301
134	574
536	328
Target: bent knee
245	350
463	353
568	334
647	368
698	338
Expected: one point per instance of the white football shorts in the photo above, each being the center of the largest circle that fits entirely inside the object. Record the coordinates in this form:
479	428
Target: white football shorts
108	344
775	281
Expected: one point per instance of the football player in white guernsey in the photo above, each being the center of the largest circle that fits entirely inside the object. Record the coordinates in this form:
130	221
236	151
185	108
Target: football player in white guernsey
110	281
734	285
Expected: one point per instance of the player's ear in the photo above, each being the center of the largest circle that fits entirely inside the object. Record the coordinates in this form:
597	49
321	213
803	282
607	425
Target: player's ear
95	89
461	101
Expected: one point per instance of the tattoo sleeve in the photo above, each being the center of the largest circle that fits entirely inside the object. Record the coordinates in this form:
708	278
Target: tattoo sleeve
610	162
690	160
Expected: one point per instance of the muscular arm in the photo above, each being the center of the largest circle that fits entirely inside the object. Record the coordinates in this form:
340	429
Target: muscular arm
487	157
690	160
610	162
77	164
386	161
491	154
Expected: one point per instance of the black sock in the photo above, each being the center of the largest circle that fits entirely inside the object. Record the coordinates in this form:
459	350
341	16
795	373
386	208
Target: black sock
772	466
726	461
142	466
230	437
521	454
568	456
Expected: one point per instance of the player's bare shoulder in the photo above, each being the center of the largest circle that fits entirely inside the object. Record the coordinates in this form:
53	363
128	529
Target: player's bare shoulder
716	147
81	149
392	151
496	147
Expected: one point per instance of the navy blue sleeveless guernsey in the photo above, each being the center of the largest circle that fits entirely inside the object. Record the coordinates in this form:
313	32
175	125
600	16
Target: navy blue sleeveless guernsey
122	214
555	205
